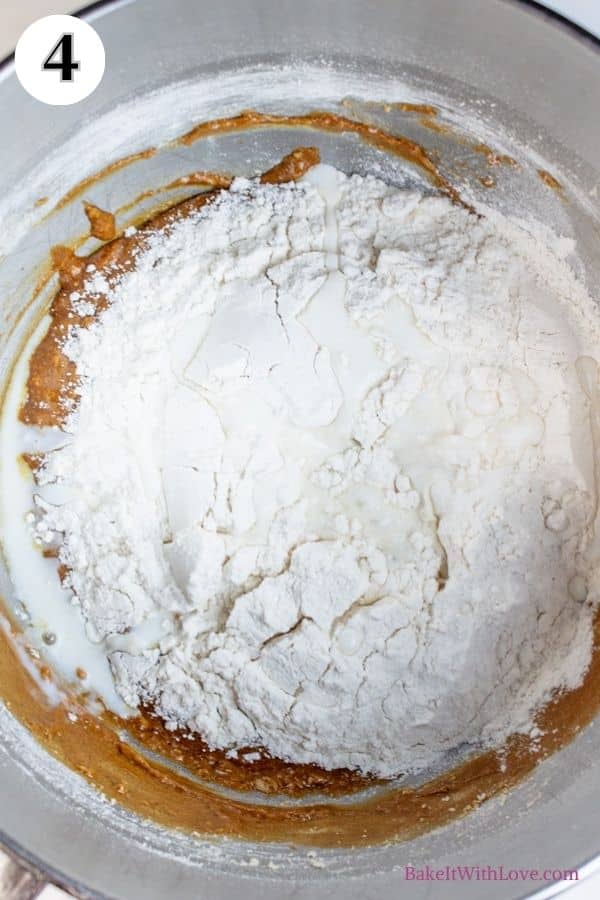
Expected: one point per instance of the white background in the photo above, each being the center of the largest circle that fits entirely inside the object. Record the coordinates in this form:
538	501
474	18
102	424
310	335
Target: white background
17	14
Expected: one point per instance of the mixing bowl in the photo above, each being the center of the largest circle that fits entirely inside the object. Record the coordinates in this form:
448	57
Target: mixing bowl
508	80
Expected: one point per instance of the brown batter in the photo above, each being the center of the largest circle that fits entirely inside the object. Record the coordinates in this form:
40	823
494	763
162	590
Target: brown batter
102	223
92	745
79	188
493	158
550	181
330	122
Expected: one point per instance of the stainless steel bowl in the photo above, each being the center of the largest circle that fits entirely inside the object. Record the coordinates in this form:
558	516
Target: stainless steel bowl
502	72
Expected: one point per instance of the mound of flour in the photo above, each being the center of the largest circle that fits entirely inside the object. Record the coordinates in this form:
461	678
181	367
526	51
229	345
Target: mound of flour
330	487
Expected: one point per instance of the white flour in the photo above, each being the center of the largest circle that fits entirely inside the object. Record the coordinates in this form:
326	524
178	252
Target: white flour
330	488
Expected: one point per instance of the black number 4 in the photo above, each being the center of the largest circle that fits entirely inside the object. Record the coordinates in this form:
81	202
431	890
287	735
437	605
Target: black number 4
61	57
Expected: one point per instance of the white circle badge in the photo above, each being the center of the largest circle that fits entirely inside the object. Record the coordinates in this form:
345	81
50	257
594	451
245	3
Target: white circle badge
59	60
